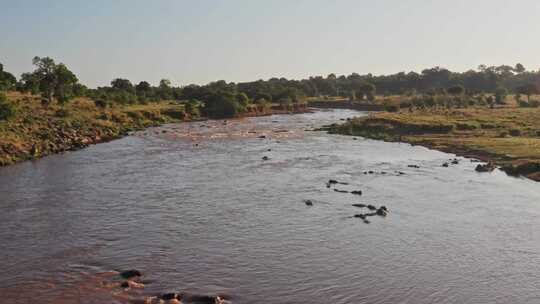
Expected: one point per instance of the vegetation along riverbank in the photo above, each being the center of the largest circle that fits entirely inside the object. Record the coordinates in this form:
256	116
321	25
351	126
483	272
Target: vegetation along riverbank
490	113
508	137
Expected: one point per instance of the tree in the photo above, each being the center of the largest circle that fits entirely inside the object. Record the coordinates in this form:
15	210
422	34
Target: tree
500	95
65	82
143	86
122	84
7	80
51	79
242	99
29	83
46	77
352	95
519	68
6	109
221	104
456	90
164	90
528	90
367	89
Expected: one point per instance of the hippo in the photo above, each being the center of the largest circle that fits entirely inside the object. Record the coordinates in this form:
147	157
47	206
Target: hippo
356	192
308	203
445	165
265	158
359	205
341	191
371	207
381	212
129	274
362	216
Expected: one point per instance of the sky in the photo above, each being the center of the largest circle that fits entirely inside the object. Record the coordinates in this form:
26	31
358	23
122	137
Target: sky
200	41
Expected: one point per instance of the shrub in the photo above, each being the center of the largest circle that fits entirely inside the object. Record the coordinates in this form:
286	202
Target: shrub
405	104
62	113
534	103
515	132
391	108
465	126
523	104
101	103
7	110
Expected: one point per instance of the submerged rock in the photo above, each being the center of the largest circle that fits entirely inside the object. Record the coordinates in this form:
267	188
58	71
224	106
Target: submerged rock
341	191
371	207
359	205
414	166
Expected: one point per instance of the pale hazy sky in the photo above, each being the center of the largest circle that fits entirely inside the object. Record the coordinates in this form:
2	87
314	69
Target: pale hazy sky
200	41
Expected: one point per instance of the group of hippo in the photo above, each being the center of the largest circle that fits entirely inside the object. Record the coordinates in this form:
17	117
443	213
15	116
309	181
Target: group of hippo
131	279
380	211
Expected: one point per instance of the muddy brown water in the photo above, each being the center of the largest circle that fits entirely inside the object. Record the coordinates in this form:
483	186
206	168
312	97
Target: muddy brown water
196	209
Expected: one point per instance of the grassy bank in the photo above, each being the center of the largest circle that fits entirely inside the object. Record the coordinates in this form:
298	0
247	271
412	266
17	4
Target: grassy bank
509	136
36	130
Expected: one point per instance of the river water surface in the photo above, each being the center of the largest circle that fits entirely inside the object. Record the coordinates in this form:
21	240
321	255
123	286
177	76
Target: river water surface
196	209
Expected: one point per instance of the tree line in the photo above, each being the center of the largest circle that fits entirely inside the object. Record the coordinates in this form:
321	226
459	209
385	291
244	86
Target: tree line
54	81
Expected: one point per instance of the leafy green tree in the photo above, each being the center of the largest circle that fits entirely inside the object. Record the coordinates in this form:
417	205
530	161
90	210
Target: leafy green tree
528	90
65	82
122	84
193	107
242	99
46	76
7	109
456	90
519	68
165	90
7	80
352	95
51	80
221	105
29	83
367	89
500	95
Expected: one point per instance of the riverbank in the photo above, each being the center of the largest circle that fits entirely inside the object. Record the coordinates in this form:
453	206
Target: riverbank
37	131
508	137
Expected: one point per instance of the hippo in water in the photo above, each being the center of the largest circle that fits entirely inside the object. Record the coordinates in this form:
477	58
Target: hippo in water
129	274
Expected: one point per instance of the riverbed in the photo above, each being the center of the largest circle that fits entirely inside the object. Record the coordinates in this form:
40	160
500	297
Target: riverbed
197	209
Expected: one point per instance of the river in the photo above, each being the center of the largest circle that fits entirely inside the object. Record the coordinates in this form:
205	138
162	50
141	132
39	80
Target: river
196	208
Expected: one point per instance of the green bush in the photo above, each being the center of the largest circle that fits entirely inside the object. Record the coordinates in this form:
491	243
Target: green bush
7	110
101	103
391	108
515	132
523	104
